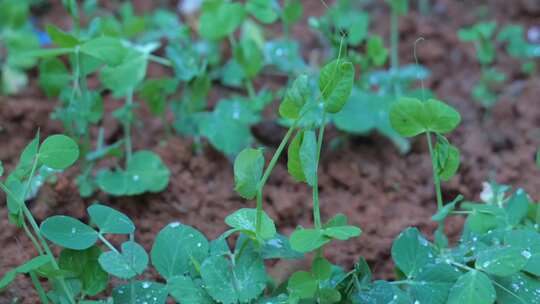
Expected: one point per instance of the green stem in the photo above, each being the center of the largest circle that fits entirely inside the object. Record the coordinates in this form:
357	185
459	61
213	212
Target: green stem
251	89
266	175
127	127
37	284
160	60
107	243
31	237
316	206
37	231
436	179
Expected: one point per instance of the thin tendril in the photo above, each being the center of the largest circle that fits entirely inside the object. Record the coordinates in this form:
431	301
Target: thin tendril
418	65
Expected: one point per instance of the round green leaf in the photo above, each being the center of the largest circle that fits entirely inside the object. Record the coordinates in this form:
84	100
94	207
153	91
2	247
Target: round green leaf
410	117
306	240
58	152
473	287
245	219
335	84
503	261
294	165
262	10
132	261
109	220
308	156
295	98
141	292
302	285
68	232
176	248
411	251
248	170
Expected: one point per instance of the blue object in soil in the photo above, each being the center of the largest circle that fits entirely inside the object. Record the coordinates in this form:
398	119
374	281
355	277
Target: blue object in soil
43	37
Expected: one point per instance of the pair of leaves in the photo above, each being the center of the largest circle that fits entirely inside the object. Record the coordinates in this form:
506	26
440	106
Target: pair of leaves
220	19
145	172
410	117
305	285
245	220
131	261
302	160
230	283
306	240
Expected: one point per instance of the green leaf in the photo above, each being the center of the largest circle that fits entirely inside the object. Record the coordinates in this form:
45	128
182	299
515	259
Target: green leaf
321	269
295	98
142	292
529	243
187	63
433	283
518	289
107	49
329	295
248	171
127	75
219	21
61	38
263	10
342	232
145	173
292	11
294	165
58	152
155	92
447	157
474	287
302	285
85	266
279	247
188	291
128	263
68	232
411	251
308	156
53	76
517	207
382	292
28	266
445	211
502	261
250	57
306	240
245	220
228	284
109	220
400	7
410	117
335	84
178	249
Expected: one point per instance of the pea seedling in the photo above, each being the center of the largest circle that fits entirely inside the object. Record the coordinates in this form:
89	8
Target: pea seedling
482	34
16	35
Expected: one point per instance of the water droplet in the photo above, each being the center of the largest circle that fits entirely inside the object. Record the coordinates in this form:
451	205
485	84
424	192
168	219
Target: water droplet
146	285
174	224
526	254
135	177
73	230
199	244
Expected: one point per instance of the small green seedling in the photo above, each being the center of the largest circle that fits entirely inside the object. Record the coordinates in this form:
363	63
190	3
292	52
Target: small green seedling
16	35
482	35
